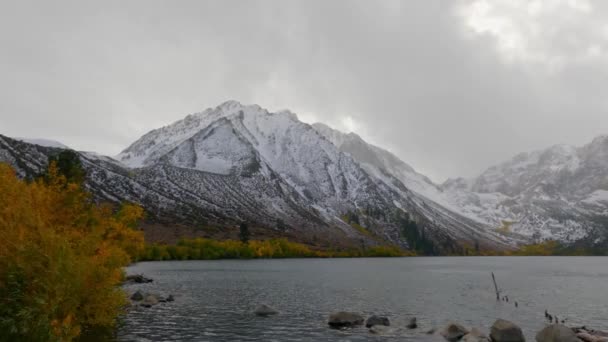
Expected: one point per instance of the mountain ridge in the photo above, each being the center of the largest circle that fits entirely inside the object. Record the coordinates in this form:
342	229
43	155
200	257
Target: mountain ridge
235	163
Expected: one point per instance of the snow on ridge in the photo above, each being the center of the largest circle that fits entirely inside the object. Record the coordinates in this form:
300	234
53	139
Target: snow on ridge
597	197
43	142
291	148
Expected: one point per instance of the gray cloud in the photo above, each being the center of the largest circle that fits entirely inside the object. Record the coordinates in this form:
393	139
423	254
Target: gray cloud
450	87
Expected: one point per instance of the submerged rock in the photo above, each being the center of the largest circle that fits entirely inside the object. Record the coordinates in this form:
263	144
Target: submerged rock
590	335
506	331
380	329
556	333
138	279
265	310
150	300
344	319
475	335
137	296
377	320
412	324
453	332
587	337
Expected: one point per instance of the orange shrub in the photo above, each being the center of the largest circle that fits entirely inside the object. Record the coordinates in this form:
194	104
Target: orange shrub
61	258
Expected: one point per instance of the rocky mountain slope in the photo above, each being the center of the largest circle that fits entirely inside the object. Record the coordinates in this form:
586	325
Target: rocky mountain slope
238	163
557	193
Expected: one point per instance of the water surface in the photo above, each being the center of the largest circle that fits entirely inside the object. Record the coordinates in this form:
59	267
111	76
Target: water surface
214	299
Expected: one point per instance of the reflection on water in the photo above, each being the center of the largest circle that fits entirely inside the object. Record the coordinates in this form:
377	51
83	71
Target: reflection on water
214	299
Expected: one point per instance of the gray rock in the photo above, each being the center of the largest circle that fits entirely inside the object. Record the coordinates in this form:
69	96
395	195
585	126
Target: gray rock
265	310
138	279
412	324
149	301
506	331
344	319
377	320
380	330
475	335
137	296
587	337
556	333
453	332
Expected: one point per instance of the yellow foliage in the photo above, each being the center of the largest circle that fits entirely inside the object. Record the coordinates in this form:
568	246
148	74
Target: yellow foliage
207	249
61	258
540	249
506	227
357	226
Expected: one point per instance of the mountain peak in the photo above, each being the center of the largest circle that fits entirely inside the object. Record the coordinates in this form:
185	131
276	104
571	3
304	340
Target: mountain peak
601	139
288	113
230	104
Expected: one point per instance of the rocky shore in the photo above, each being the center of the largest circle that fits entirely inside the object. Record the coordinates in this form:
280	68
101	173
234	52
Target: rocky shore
500	331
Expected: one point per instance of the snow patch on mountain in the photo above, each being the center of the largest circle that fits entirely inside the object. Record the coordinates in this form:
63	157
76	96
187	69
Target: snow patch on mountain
43	142
599	197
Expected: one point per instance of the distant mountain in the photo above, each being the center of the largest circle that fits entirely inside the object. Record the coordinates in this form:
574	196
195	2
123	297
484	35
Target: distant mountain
43	142
238	163
557	193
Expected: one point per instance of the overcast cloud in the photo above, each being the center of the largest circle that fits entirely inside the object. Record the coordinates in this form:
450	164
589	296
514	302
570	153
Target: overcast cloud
451	87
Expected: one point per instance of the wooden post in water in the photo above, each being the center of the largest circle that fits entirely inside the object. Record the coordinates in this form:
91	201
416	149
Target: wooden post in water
496	287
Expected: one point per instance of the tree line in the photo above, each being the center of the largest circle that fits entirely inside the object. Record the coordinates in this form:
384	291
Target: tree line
208	249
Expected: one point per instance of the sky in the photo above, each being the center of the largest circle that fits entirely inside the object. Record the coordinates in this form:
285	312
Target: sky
450	87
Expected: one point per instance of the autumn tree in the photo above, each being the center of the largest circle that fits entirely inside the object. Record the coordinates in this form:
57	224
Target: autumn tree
61	256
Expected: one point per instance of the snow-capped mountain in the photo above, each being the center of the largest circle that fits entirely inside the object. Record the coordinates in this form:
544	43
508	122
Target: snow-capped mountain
235	162
43	142
318	172
556	193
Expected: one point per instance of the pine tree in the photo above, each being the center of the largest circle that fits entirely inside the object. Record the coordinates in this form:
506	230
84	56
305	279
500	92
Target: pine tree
68	165
244	232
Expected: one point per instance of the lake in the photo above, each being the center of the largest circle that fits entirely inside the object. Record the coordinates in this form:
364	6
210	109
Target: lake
215	299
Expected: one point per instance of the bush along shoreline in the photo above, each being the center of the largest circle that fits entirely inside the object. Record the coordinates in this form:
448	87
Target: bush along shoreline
62	256
208	249
282	248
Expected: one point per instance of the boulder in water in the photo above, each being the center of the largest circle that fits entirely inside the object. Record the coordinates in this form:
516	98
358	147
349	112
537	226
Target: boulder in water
343	319
506	331
453	332
149	301
412	324
264	310
137	296
138	279
377	320
475	335
380	330
587	337
556	333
